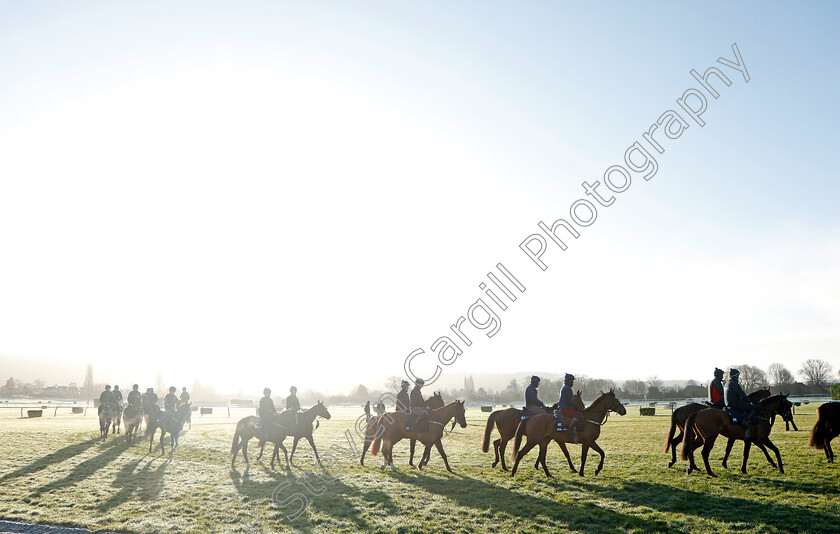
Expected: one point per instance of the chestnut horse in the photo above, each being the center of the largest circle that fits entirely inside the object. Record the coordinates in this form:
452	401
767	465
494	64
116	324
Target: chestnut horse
541	429
432	403
826	429
507	421
390	432
680	415
703	428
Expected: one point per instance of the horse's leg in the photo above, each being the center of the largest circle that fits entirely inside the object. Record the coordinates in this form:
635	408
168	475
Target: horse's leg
729	443
520	455
439	446
793	424
708	443
502	455
674	442
600	451
162	434
245	453
583	451
775	449
763	448
565	450
262	448
315	449
541	457
294	447
285	455
496	450
698	442
427	455
413	442
829	452
747	444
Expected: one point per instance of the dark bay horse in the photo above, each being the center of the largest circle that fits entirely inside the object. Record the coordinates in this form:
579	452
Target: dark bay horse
703	428
106	419
541	429
276	431
680	416
432	403
507	421
303	429
132	417
117	414
390	432
826	429
168	423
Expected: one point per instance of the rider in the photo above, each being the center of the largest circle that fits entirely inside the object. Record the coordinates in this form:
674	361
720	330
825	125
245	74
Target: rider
185	397
117	395
533	404
151	400
170	402
565	405
403	402
266	410
367	411
292	402
716	390
106	397
134	396
737	400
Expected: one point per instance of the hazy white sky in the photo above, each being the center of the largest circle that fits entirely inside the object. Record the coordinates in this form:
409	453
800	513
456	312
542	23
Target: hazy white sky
266	193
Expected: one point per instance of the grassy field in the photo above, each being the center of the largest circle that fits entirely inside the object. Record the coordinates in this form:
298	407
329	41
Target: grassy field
53	470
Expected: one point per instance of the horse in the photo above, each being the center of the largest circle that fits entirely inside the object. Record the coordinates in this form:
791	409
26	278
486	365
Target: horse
681	414
507	421
432	403
276	430
133	417
117	417
389	431
168	423
302	429
106	419
826	428
541	429
703	428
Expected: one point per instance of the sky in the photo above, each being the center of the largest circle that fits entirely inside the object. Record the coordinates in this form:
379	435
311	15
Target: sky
269	193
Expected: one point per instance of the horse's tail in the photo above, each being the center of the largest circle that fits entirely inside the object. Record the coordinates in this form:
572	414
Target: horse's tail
688	437
817	437
235	446
491	421
520	431
374	449
671	432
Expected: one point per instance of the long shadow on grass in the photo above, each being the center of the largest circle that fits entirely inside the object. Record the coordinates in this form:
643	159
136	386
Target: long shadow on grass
110	452
665	498
339	500
493	500
145	484
50	459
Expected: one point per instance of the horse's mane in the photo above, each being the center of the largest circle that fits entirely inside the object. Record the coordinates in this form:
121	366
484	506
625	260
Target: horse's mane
598	400
767	400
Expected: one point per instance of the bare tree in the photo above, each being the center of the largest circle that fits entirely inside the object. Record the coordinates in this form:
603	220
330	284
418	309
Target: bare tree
654	382
779	375
815	372
752	377
392	383
634	388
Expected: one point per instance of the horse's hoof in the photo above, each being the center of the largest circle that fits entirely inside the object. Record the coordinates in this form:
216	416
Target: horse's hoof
393	468
688	470
781	470
670	464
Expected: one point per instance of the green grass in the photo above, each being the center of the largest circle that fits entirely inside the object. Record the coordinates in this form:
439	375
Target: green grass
52	470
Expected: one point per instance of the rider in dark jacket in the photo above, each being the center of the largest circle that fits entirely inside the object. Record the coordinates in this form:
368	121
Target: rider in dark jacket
403	402
117	395
737	400
106	397
417	403
565	404
532	402
134	396
292	402
716	399
266	410
170	402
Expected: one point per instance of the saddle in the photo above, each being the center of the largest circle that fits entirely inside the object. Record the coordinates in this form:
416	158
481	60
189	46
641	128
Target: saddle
415	422
737	418
562	423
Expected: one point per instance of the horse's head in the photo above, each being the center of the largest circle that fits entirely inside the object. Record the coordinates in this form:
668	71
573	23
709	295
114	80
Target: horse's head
435	401
778	404
460	414
321	410
612	402
577	400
